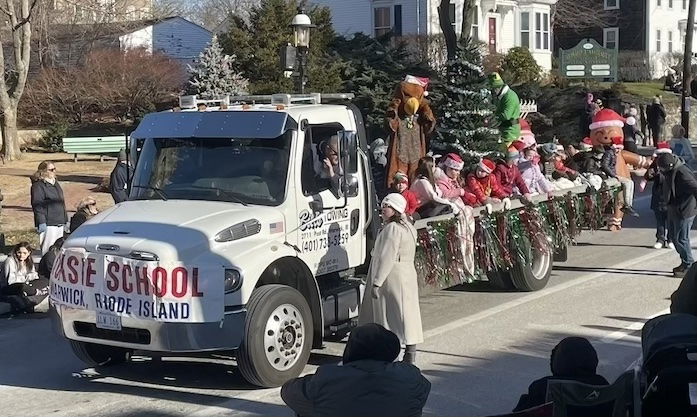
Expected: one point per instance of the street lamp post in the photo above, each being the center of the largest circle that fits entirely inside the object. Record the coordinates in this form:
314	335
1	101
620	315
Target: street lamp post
687	67
301	28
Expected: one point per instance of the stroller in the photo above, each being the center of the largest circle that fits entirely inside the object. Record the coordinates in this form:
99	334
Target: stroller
669	372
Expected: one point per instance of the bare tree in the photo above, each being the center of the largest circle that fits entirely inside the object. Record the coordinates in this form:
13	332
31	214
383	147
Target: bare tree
451	40
17	25
578	15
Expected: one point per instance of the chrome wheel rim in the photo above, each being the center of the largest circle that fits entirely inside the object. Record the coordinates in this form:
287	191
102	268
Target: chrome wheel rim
284	337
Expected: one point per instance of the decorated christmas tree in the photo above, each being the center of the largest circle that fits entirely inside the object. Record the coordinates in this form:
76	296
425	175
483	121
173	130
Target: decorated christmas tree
214	74
465	107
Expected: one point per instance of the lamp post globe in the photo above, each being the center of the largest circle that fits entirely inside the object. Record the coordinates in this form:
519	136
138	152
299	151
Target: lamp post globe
301	25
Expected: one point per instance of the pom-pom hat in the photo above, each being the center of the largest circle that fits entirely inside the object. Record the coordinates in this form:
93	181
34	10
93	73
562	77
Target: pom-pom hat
487	165
453	161
400	177
662	147
396	201
607	118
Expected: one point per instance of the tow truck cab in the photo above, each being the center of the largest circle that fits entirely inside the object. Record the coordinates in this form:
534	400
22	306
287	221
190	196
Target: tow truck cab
233	238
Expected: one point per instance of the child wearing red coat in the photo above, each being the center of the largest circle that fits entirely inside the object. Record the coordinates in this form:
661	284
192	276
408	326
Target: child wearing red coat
484	186
400	183
508	174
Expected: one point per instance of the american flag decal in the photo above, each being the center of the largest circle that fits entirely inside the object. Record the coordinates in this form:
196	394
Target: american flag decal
276	227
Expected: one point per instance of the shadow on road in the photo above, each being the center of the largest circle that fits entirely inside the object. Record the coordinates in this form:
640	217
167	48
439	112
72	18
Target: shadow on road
622	271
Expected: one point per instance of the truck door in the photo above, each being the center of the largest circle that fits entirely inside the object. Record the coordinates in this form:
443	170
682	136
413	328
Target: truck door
331	227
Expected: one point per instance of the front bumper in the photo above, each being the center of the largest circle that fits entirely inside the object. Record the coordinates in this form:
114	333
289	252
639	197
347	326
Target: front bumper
151	335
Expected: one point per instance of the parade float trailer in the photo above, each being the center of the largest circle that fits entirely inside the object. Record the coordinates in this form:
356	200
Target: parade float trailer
227	243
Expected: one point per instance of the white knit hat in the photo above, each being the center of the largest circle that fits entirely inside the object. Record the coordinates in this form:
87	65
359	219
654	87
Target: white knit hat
396	201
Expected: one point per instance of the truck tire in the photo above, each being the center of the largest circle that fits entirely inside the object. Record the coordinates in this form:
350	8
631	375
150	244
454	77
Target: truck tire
277	337
533	276
562	254
100	355
501	280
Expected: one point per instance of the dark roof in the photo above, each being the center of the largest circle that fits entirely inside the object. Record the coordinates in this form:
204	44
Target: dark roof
72	31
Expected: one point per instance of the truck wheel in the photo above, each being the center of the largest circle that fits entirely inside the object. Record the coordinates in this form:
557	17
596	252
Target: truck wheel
501	280
277	336
100	355
533	276
562	254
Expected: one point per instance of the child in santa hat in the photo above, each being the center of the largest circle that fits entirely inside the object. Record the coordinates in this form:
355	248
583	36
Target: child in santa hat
508	174
450	182
664	238
530	170
482	185
400	185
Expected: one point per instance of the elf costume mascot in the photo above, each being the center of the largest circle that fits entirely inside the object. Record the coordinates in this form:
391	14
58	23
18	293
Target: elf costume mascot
607	124
409	120
507	109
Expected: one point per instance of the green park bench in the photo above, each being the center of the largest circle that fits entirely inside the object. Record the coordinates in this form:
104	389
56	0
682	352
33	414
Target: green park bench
100	145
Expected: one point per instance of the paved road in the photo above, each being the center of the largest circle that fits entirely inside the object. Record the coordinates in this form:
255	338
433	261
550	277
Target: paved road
482	348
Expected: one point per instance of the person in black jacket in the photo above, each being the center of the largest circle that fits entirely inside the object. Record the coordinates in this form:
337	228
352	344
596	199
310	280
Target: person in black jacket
118	181
368	383
47	261
680	195
664	236
573	359
656	117
48	205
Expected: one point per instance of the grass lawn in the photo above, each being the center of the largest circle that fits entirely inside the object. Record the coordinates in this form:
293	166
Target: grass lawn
647	91
13	237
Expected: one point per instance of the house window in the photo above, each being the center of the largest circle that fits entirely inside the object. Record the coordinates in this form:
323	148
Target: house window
538	30
670	4
658	40
612	4
684	4
451	15
541	31
475	24
545	31
383	23
397	28
670	41
525	29
611	38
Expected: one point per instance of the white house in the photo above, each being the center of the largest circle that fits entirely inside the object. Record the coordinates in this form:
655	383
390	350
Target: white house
175	37
502	24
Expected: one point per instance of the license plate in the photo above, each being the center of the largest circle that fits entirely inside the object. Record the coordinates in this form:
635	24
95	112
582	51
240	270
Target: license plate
108	321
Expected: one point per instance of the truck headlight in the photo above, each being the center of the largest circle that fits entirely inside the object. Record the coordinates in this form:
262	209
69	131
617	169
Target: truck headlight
233	280
239	231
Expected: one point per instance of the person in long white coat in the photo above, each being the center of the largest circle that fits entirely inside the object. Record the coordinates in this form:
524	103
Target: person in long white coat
392	291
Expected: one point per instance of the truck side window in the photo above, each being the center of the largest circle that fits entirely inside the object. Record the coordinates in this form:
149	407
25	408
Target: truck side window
312	165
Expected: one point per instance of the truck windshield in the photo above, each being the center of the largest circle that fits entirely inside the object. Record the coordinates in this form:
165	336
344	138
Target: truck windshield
247	171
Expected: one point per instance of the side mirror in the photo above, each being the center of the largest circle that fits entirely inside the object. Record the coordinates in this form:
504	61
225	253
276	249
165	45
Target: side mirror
348	147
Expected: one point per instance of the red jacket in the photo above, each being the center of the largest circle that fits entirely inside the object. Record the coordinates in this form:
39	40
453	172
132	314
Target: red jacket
486	187
412	201
509	177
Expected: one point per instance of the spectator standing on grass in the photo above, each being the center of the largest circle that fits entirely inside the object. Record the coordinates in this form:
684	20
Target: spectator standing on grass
118	181
48	204
368	382
86	209
656	117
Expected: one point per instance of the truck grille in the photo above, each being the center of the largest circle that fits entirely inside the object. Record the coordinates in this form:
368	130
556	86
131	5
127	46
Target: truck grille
126	334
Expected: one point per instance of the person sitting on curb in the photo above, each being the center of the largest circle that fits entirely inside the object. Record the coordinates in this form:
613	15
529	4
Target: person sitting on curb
573	359
367	383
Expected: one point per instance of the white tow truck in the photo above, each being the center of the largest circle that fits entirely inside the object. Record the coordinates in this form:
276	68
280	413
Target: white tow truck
229	241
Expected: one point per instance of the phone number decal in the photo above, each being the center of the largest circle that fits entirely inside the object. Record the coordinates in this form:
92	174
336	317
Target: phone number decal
325	242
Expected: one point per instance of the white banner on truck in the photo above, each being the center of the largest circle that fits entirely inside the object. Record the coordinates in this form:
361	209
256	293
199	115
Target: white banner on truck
149	290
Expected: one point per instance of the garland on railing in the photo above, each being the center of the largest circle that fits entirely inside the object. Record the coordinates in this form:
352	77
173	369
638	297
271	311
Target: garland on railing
503	240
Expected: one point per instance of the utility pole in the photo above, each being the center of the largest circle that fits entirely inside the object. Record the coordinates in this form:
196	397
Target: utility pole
687	68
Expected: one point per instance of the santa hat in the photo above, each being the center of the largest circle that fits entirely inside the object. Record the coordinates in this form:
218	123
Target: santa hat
512	152
420	81
453	161
400	177
396	201
487	165
618	142
662	147
586	144
526	135
519	145
606	118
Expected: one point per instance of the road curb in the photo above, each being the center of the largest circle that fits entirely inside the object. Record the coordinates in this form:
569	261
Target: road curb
5	308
